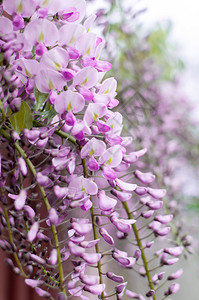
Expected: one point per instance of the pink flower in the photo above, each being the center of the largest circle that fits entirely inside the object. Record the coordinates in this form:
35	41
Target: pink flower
41	31
83	184
93	147
68	101
23	7
20	199
56	59
93	112
69	33
47	80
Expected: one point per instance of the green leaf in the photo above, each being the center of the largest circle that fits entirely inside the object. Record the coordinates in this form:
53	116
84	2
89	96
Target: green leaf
17	120
51	115
1	59
39	98
22	119
28	116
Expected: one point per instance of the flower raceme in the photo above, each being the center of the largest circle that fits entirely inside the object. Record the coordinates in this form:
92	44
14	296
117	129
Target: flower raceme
63	148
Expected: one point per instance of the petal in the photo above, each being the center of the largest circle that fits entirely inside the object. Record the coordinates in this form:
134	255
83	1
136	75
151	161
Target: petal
82	229
89	279
144	177
48	79
69	34
69	101
91	258
96	289
106	203
93	147
156	193
75	249
89	244
94	111
112	156
122	196
56	58
41	31
125	186
87	77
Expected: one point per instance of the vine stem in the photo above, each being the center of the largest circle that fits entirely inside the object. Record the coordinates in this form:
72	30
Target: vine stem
139	243
47	204
11	238
2	111
12	242
99	265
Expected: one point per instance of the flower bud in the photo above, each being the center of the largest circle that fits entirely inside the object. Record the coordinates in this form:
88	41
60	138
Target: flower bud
22	166
18	22
53	257
42	293
145	178
106	236
37	259
115	277
175	275
173	289
40	49
53	216
150	293
175	251
33	283
32	233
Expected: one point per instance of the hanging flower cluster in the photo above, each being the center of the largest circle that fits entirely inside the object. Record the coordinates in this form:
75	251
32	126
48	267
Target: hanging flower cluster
157	113
68	184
